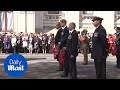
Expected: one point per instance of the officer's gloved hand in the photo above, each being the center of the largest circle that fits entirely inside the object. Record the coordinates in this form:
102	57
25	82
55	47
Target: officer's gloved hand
59	43
71	56
64	48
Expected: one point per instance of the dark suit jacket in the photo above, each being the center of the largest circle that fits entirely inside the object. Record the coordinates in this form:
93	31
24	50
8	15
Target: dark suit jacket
71	47
57	37
99	43
1	41
64	37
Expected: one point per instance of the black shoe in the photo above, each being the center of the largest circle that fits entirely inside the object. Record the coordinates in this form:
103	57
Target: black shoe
118	66
74	78
64	75
60	70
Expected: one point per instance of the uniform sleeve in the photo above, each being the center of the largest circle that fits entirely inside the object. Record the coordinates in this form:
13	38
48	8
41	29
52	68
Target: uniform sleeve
103	38
118	40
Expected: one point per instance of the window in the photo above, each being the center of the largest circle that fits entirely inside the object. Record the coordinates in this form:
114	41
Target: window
57	17
50	17
53	12
53	17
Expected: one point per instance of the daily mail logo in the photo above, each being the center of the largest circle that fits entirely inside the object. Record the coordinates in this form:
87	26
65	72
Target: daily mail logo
15	65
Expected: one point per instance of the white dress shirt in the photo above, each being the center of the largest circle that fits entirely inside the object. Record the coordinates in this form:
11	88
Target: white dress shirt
64	27
70	31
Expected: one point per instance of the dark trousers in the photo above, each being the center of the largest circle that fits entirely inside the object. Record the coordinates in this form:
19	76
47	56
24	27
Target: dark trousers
49	48
14	49
118	57
70	66
25	50
40	49
19	48
100	67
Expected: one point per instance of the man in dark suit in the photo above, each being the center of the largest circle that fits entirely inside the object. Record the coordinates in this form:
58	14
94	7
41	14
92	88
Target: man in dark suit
57	37
57	43
100	48
63	35
71	52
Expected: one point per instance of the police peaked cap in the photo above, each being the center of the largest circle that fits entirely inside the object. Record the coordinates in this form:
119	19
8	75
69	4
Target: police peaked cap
117	28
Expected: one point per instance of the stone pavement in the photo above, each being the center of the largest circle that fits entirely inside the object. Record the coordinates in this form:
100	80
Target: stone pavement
43	66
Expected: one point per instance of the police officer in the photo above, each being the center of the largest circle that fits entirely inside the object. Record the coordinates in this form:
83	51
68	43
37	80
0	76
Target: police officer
100	48
117	41
71	52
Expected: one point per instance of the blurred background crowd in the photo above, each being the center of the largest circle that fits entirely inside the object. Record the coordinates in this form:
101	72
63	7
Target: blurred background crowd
40	42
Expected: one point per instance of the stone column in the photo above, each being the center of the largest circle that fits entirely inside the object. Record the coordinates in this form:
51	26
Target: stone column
15	21
38	20
30	21
19	22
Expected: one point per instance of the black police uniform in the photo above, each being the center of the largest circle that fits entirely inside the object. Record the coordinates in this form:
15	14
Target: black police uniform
99	53
118	49
71	49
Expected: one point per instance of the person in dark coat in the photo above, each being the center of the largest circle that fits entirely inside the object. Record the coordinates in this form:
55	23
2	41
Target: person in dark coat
35	41
44	44
100	48
57	43
51	43
19	44
117	41
7	42
71	52
64	32
1	43
39	41
57	37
